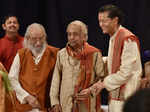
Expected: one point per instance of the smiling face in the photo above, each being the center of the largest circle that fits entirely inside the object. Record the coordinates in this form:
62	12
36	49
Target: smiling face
11	25
106	23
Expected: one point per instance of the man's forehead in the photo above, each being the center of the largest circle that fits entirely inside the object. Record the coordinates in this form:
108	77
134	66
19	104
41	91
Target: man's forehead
34	32
11	18
103	14
35	29
74	28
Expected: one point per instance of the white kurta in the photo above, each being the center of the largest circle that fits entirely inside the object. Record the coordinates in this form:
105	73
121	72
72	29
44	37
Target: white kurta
129	73
65	75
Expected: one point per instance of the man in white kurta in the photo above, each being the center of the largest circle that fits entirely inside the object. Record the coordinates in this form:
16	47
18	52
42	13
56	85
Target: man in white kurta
130	72
69	68
124	64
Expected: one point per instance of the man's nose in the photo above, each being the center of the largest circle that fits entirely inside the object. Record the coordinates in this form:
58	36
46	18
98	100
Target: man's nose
71	37
38	42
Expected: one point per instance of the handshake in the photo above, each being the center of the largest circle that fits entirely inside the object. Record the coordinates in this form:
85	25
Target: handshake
94	89
84	94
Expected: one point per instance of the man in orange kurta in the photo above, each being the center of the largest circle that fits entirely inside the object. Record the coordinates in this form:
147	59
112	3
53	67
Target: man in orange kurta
31	71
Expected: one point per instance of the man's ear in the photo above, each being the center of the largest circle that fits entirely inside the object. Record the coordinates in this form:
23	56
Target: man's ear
3	26
116	19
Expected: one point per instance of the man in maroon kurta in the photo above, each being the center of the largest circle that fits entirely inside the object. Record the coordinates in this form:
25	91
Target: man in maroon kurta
11	42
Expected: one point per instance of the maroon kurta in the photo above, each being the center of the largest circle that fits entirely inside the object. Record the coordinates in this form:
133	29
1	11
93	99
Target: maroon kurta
8	50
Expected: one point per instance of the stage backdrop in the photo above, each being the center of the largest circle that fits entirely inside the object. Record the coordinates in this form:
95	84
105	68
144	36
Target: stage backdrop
56	14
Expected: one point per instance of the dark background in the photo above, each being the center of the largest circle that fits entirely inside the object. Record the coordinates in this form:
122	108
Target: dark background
56	14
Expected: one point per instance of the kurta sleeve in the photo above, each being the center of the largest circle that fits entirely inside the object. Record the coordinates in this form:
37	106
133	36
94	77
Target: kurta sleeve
129	57
99	65
13	77
55	85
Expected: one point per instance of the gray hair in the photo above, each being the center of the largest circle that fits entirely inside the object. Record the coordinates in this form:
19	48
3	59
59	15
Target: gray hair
28	32
33	25
83	27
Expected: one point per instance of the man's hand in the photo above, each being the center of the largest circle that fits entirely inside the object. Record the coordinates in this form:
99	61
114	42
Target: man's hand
31	100
56	108
145	82
84	94
97	87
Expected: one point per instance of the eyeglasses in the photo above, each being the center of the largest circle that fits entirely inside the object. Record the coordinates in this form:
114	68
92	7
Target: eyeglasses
73	34
105	20
36	39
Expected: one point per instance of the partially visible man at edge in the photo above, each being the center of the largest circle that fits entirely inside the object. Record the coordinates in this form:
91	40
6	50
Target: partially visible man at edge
78	66
124	62
4	101
31	71
11	42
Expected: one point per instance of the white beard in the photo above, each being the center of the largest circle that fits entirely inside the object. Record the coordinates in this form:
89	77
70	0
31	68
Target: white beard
33	49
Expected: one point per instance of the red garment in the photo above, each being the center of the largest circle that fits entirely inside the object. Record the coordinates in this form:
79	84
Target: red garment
8	50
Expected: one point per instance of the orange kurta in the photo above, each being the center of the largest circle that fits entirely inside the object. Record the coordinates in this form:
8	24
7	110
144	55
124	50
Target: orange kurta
36	79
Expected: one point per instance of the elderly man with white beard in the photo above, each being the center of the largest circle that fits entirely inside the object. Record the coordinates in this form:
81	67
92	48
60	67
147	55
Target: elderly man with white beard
31	71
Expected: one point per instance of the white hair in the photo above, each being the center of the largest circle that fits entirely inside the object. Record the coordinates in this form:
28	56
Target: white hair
83	27
27	43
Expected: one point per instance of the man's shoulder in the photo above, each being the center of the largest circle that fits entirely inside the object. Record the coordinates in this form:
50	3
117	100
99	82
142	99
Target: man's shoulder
124	32
92	49
3	38
21	38
62	51
62	54
22	50
52	48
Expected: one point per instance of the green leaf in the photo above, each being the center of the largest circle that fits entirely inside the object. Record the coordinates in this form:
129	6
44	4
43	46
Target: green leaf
6	81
